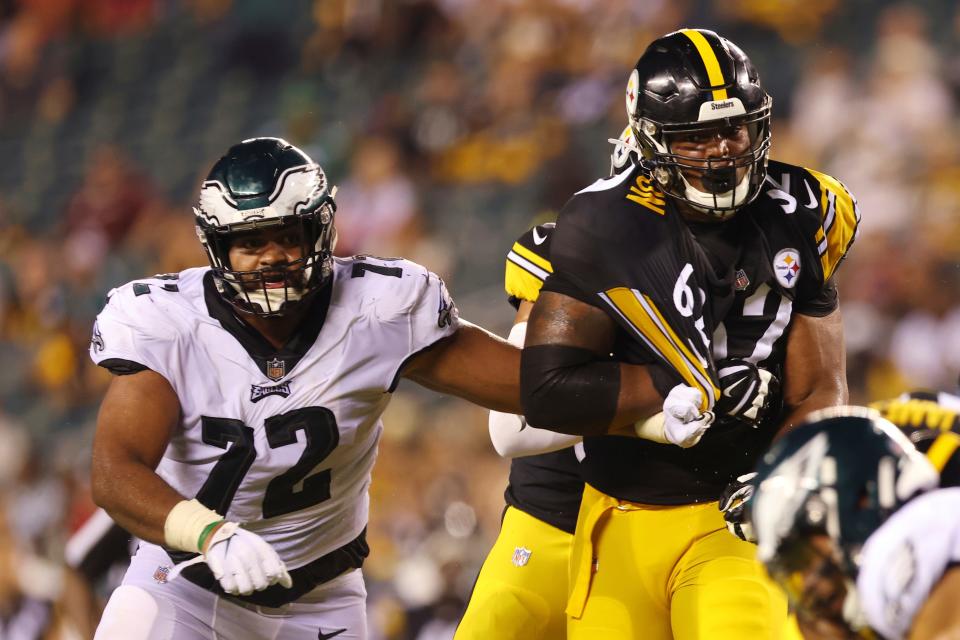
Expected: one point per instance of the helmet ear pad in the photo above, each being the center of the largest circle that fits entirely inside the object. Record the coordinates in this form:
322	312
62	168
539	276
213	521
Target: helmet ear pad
261	184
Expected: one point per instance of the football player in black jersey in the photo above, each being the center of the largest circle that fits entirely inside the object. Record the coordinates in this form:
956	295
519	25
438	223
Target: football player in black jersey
700	251
521	591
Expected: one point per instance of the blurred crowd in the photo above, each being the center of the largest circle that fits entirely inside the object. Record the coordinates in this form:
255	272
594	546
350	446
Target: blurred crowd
449	126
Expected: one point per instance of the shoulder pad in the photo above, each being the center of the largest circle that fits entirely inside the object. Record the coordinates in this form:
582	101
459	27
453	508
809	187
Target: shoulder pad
528	264
630	186
918	411
905	558
839	221
388	286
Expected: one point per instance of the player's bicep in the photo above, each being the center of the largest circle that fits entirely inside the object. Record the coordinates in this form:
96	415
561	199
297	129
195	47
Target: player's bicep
473	364
558	319
136	421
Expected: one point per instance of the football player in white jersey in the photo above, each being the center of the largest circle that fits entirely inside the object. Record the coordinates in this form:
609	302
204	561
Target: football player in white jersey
238	435
849	521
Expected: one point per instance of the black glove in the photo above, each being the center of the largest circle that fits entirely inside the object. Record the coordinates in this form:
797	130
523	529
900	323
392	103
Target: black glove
748	392
733	504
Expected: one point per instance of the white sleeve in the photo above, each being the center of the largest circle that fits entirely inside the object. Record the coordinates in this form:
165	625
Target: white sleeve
906	557
130	332
510	434
427	315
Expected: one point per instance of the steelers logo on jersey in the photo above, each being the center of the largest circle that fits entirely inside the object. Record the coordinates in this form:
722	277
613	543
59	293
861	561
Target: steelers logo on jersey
786	266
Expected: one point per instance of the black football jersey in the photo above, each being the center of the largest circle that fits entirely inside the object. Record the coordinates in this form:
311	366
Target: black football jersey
547	486
687	295
932	422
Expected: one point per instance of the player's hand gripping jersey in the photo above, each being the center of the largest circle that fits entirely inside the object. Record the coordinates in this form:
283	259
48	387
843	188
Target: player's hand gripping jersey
687	295
282	442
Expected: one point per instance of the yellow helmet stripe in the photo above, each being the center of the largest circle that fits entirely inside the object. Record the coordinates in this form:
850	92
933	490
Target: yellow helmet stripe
714	74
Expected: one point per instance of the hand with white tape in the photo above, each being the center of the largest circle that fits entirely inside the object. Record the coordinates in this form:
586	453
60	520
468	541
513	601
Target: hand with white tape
681	422
243	562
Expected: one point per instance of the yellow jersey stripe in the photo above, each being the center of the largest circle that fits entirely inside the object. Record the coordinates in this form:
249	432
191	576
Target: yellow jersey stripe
520	283
840	217
660	337
942	449
540	261
714	74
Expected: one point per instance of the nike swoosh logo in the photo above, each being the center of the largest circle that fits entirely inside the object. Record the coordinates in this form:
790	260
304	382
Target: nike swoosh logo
537	238
813	201
327	636
729	390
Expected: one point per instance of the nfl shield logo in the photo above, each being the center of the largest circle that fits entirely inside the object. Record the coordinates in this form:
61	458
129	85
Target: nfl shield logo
741	281
521	556
161	574
276	369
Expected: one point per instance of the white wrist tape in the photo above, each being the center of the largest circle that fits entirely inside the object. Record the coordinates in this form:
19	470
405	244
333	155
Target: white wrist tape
184	524
652	429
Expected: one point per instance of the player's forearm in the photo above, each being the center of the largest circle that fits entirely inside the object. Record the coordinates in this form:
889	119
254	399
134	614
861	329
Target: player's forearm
135	497
575	391
512	437
821	398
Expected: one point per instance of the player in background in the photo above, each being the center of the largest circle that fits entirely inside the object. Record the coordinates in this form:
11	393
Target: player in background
237	437
521	591
850	521
701	250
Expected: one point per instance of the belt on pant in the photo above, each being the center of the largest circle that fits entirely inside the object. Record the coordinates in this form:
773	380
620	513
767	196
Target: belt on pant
305	578
582	553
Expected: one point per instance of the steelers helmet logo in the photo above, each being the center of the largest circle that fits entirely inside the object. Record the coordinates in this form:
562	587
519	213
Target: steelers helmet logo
633	85
786	266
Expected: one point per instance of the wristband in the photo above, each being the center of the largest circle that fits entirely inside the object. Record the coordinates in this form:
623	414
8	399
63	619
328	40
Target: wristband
187	524
652	429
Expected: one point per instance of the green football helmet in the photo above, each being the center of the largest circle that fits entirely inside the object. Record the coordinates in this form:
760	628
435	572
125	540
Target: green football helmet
266	183
821	491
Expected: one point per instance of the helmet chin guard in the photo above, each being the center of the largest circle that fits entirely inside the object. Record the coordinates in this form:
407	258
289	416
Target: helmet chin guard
260	184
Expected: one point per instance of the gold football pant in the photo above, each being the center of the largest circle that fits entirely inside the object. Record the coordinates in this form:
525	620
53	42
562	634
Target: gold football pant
524	602
665	572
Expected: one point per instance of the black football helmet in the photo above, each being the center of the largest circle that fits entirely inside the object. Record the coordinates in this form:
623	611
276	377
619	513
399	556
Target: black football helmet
838	477
693	82
261	183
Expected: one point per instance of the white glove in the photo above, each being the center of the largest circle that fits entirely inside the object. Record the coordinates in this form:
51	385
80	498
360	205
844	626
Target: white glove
241	561
681	422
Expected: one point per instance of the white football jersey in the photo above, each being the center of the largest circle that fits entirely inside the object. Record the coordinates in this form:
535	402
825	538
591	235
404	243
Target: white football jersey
283	442
906	557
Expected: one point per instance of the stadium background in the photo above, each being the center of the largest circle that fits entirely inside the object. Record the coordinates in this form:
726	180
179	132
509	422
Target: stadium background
449	126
